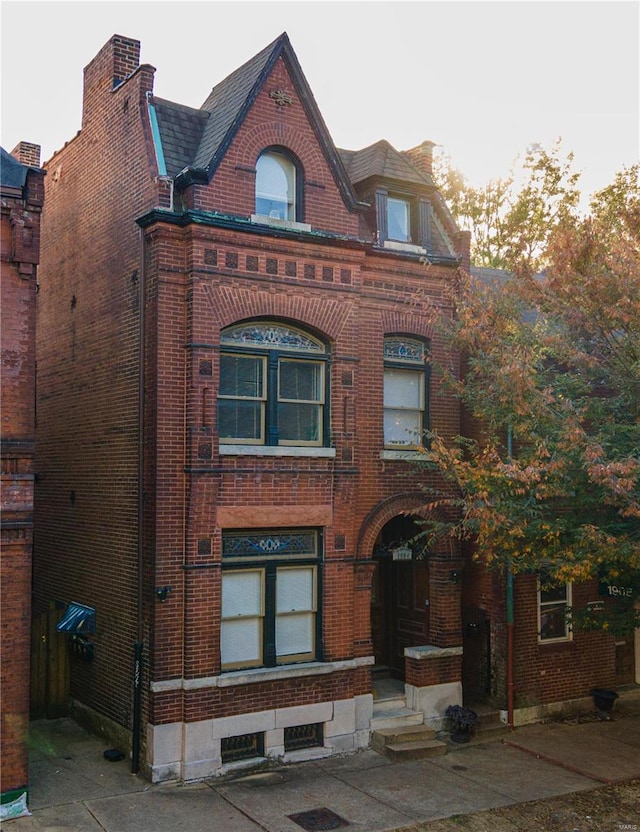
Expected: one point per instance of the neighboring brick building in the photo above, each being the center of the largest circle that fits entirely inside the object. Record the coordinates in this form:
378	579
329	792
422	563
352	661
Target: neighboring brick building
234	351
552	666
22	188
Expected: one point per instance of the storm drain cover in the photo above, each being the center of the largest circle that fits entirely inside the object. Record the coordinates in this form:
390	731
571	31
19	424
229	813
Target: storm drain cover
319	820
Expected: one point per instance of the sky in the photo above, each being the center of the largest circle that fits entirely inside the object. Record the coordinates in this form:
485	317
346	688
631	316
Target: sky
483	80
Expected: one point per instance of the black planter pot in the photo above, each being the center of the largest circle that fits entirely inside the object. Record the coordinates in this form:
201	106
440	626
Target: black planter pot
460	736
603	700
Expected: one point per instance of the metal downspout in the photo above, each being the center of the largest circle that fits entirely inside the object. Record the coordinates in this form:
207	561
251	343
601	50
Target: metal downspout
138	647
510	616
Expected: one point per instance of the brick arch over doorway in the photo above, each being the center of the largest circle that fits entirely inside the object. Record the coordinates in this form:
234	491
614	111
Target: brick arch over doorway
414	601
410	503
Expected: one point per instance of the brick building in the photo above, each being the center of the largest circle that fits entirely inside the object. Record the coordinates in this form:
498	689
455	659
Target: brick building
234	366
553	667
22	188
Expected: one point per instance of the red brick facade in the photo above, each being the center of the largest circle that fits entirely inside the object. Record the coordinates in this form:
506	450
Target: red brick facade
22	200
144	270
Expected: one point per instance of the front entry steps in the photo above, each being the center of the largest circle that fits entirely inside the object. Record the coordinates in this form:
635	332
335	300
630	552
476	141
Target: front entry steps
413	742
400	733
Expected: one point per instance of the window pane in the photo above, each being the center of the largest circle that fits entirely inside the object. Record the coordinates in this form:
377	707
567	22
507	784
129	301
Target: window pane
241	641
294	634
275	187
398	219
295	589
300	381
241	594
299	422
553	622
241	376
403	388
241	628
239	419
553	593
402	427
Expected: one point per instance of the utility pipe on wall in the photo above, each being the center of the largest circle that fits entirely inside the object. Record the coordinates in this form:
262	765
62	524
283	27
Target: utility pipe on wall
138	646
510	617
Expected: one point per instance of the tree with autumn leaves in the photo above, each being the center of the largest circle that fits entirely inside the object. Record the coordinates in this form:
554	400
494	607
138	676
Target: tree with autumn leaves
552	381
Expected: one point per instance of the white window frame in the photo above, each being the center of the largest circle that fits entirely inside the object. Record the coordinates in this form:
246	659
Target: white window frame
550	604
406	203
287	198
412	361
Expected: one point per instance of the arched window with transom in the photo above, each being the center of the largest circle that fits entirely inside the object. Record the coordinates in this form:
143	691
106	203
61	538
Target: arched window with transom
273	387
406	391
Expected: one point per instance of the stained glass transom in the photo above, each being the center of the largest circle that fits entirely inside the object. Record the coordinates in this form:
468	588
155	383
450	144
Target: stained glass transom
408	350
271	336
268	544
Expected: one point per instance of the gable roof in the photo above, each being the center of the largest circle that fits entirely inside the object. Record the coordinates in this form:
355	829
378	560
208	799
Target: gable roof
229	101
193	142
381	159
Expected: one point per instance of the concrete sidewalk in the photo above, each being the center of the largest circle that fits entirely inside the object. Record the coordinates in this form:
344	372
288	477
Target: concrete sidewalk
74	788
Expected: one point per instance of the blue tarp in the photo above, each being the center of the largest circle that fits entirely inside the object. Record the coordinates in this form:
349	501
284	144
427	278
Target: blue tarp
77	619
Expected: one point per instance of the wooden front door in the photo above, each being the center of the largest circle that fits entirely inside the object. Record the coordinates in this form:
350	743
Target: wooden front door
400	611
49	667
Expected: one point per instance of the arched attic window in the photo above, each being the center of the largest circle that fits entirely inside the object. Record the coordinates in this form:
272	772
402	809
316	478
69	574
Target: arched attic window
277	186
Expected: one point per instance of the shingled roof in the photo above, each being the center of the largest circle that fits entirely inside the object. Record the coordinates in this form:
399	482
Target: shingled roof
181	130
230	99
194	141
381	160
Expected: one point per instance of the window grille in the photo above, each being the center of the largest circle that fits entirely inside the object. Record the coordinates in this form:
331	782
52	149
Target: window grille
303	736
242	747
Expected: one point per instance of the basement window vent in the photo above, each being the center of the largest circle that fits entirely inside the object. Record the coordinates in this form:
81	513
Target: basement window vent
303	736
242	747
77	619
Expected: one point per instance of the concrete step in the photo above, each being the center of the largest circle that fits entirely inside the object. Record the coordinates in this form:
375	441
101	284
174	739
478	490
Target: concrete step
402	734
386	703
485	731
415	750
397	717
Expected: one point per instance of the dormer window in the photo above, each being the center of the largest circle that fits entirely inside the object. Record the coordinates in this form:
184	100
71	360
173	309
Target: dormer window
276	186
398	219
404	220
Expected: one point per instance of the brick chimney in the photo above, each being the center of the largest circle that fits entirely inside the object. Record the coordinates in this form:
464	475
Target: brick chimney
422	157
115	62
27	153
